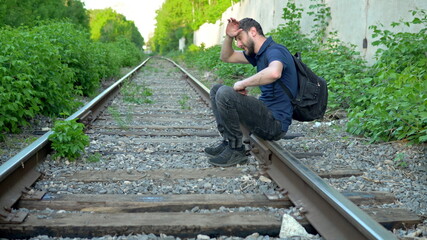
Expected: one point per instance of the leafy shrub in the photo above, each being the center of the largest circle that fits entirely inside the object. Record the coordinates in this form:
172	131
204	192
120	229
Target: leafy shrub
125	52
31	77
76	51
43	69
68	139
179	18
16	13
394	107
107	62
107	25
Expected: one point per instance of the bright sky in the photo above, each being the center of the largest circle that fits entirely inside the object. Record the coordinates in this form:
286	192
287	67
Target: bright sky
142	12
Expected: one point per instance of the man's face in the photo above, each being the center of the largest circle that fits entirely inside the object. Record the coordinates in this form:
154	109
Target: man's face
245	42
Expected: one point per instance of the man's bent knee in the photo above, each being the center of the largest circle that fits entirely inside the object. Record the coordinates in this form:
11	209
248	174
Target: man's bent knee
214	89
225	93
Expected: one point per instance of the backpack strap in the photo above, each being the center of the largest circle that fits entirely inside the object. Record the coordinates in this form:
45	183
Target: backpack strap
287	91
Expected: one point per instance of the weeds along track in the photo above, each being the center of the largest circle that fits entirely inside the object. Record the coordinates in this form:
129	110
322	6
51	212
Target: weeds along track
145	173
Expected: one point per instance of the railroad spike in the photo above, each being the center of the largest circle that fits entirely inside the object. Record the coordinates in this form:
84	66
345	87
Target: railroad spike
302	210
255	150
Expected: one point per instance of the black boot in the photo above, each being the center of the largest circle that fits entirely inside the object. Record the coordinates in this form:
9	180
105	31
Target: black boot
216	150
230	157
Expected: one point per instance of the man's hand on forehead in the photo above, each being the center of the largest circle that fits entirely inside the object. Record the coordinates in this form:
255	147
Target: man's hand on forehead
233	28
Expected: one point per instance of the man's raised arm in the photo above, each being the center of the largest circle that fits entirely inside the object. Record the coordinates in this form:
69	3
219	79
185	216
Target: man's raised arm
228	54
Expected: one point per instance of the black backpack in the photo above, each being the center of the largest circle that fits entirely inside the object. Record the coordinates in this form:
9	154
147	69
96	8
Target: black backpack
312	97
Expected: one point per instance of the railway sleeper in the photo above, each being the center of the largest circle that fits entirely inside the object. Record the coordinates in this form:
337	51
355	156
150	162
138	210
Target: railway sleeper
174	203
89	224
194	173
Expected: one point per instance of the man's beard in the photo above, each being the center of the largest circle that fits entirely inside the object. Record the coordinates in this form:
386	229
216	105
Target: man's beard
251	48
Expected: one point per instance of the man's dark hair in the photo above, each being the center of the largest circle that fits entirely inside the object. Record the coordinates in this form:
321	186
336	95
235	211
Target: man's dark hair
247	23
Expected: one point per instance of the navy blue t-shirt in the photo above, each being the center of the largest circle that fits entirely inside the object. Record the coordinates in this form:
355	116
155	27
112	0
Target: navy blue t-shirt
273	96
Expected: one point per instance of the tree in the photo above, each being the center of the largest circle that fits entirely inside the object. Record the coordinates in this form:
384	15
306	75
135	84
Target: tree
180	18
107	26
26	12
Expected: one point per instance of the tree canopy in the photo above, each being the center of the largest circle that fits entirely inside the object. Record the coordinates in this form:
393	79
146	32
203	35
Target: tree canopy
107	26
180	18
15	13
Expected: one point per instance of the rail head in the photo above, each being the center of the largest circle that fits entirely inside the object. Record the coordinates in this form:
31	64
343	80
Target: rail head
199	87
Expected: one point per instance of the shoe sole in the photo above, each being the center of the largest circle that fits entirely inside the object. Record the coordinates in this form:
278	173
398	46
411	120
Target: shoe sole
240	161
210	155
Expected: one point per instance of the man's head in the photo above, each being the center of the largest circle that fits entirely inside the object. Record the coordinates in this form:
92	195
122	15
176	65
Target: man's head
246	38
247	23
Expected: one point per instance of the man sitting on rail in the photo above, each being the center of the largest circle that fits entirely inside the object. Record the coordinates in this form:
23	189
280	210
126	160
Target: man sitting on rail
267	117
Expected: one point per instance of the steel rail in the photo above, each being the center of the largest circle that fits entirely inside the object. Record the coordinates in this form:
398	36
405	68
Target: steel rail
330	212
195	83
24	163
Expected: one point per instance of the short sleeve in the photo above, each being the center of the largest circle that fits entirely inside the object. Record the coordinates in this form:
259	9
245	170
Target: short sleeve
275	54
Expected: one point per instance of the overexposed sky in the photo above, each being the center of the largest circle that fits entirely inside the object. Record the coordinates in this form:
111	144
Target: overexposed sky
142	12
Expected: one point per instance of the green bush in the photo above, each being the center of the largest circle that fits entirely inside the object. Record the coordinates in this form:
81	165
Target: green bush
107	62
68	140
125	52
76	51
44	68
31	77
394	107
17	13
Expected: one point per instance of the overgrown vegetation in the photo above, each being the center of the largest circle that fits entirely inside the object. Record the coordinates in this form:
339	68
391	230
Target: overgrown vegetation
394	106
183	102
386	101
136	93
180	18
106	25
46	65
68	140
15	13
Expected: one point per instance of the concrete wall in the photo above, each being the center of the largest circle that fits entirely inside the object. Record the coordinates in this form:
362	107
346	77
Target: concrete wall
350	18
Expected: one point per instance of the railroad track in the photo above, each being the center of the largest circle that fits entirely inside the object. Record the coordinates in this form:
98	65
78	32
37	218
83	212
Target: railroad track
154	178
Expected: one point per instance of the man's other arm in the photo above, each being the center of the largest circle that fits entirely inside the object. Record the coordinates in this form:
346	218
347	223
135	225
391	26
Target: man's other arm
266	76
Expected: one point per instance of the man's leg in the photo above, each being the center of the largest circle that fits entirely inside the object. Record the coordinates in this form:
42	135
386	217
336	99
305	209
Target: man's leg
214	105
215	150
233	108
